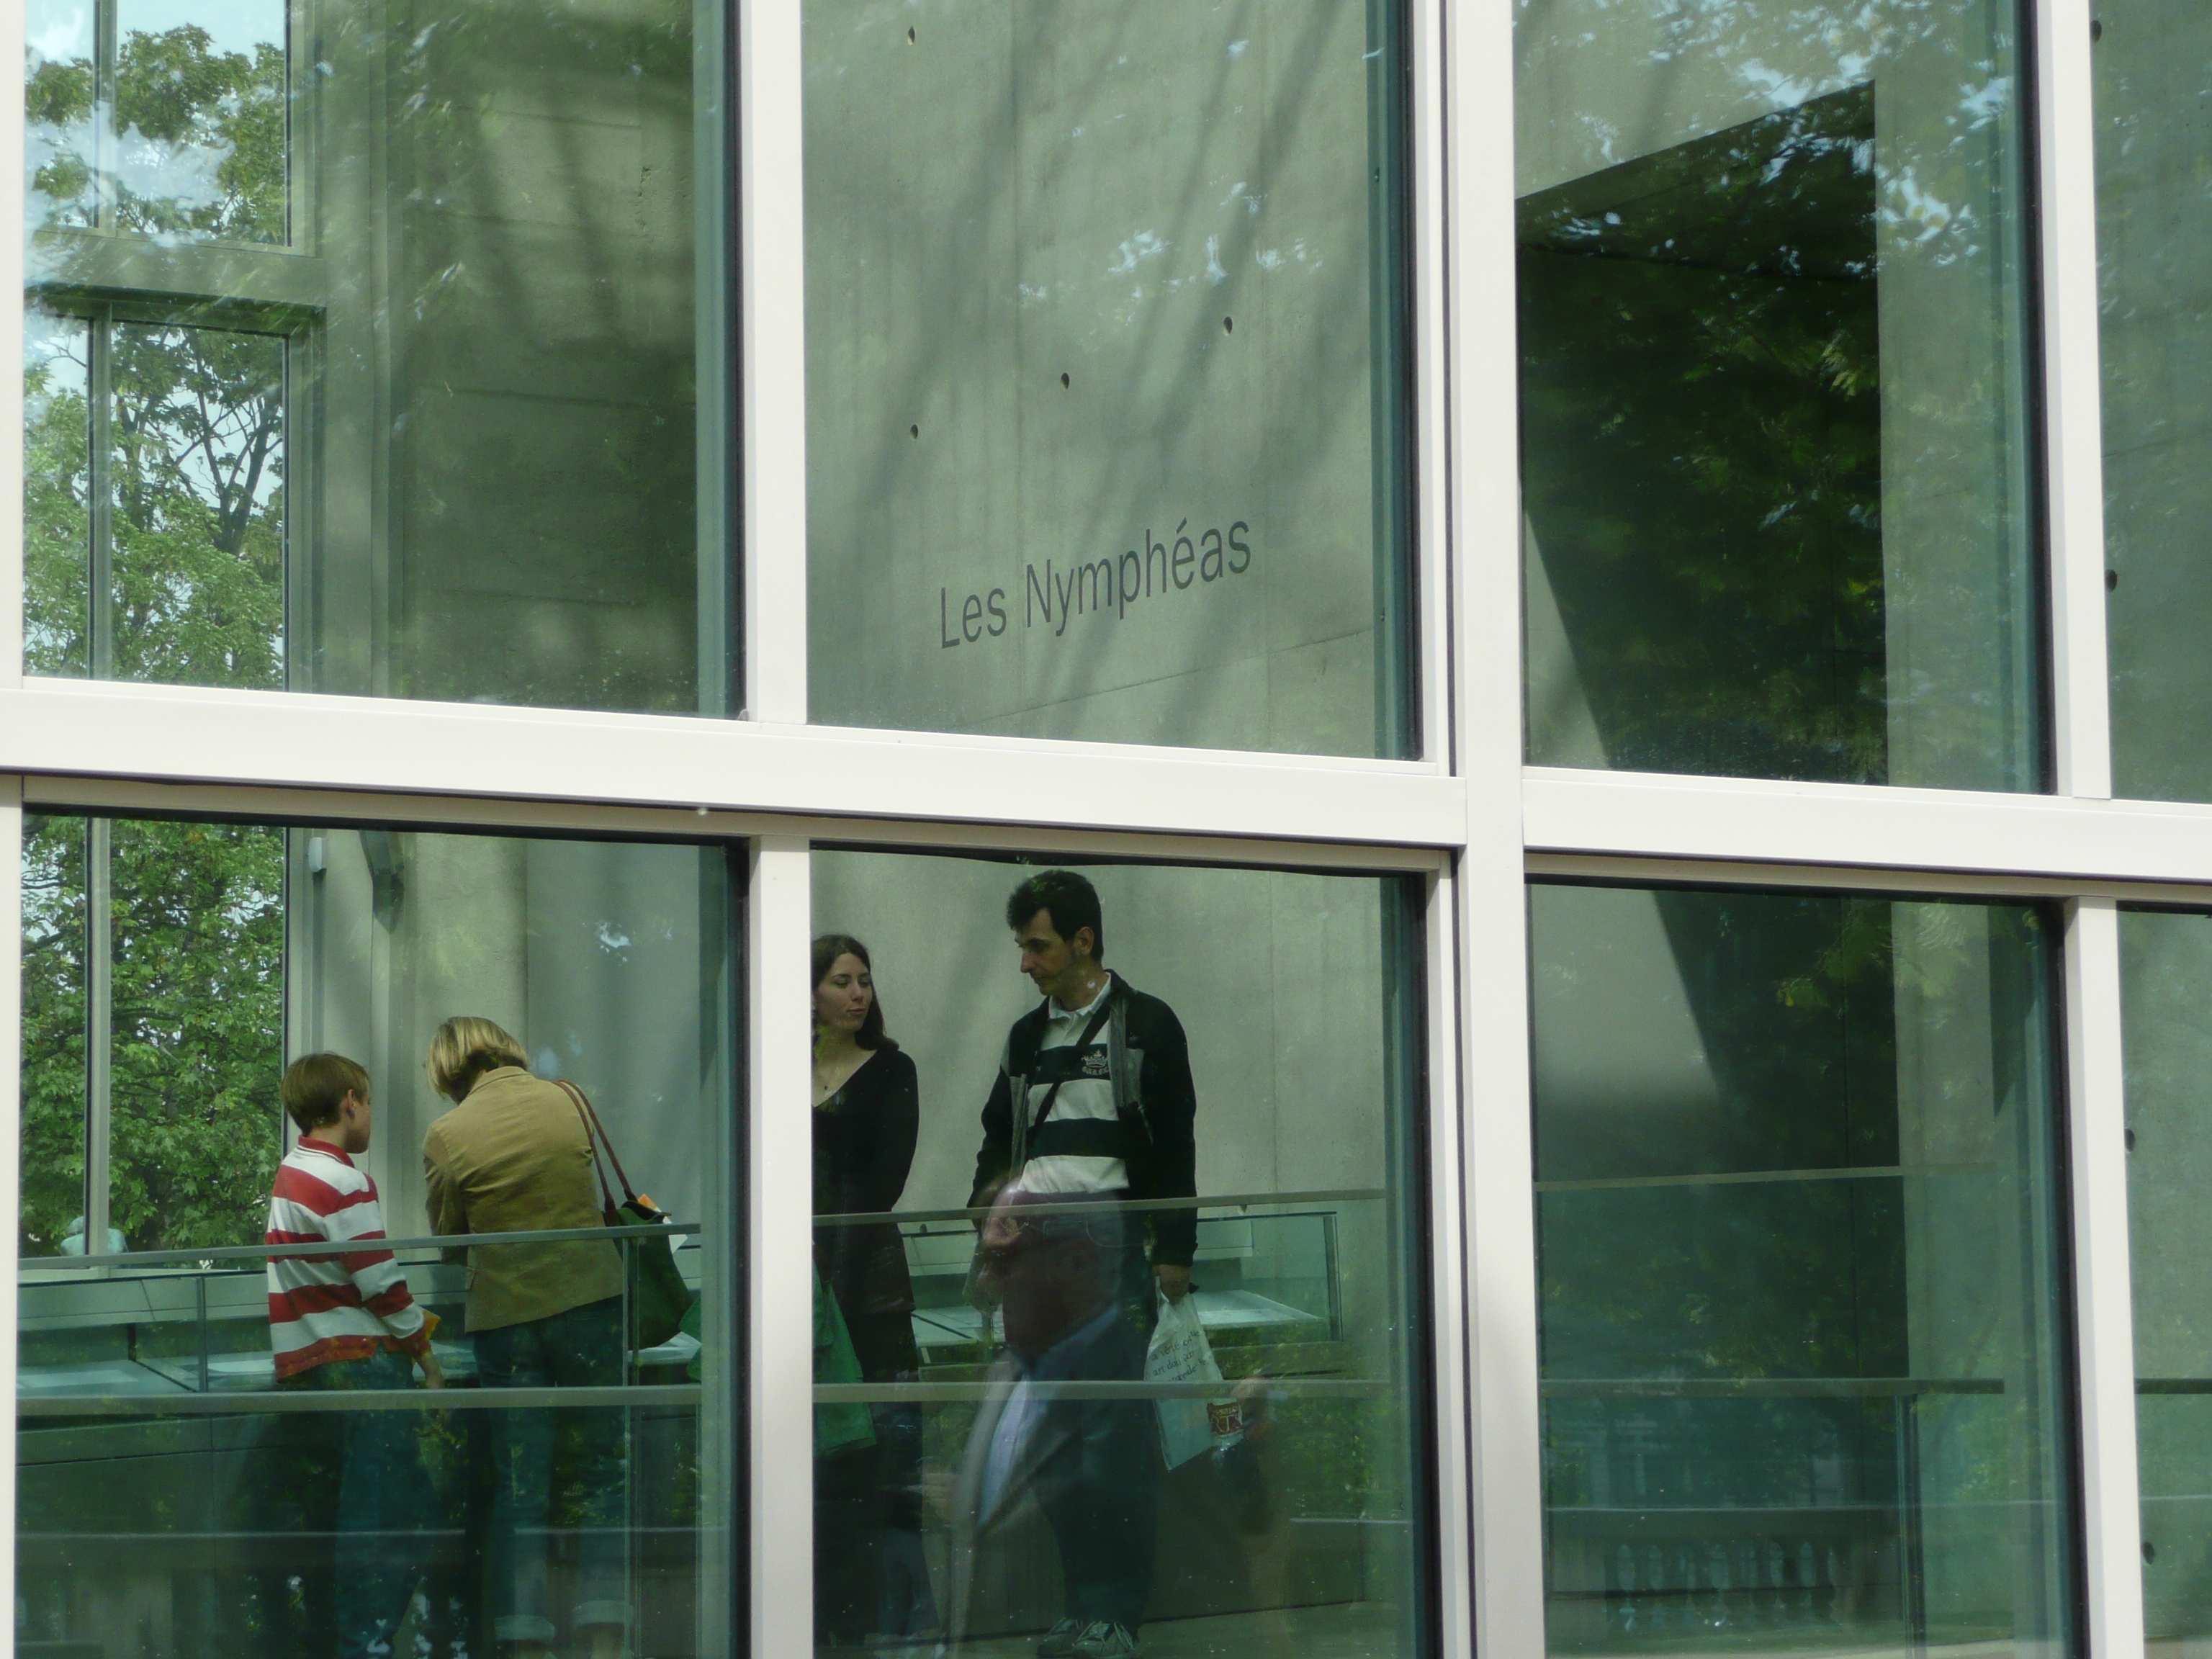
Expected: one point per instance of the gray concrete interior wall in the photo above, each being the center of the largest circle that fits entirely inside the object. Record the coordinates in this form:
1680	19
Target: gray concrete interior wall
1091	285
2154	76
608	961
507	430
2165	966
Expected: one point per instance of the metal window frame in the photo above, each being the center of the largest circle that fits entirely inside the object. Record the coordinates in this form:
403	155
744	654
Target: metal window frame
1468	813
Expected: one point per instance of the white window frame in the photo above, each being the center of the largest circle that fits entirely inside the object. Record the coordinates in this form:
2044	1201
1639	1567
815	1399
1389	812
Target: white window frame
1468	813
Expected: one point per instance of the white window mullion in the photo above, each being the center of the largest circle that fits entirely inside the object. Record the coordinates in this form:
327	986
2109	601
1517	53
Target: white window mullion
778	1205
1482	371
771	446
1448	1285
2096	1100
2073	436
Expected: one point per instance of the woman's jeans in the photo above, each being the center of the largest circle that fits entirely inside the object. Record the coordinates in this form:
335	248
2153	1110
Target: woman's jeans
580	1446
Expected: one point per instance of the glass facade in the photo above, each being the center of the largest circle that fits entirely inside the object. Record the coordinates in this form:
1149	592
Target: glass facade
228	1442
371	350
1775	455
1800	1221
1107	372
1125	1258
1479	981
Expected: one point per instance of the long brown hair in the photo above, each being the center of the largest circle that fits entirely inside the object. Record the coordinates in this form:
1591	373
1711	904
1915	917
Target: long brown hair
827	949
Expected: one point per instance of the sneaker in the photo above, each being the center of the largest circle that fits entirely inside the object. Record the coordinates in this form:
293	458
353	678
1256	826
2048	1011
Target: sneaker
1059	1642
1101	1640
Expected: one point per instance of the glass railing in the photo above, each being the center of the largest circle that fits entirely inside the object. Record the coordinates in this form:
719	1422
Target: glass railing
174	1499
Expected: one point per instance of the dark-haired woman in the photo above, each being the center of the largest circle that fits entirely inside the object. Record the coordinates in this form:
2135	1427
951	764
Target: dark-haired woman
867	1113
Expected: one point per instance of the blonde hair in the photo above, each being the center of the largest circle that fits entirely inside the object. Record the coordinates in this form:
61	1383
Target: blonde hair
466	1047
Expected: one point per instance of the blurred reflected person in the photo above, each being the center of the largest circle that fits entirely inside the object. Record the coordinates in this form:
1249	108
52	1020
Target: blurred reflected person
514	1155
341	1322
868	1113
1093	1105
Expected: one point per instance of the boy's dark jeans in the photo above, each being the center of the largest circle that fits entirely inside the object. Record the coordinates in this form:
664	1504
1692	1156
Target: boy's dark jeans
385	1505
580	1348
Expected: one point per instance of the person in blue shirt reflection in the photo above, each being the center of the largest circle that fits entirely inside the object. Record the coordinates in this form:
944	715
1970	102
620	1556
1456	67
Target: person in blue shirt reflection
1093	1106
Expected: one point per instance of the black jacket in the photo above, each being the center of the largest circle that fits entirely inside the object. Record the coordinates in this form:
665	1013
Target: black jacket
1157	1102
864	1139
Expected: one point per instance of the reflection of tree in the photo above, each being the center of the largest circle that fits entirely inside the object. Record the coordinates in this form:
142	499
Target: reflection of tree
194	475
57	506
194	147
198	1029
197	938
199	508
53	978
1702	426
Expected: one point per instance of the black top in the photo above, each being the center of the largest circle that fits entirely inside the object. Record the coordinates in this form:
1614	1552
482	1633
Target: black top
1157	1142
863	1137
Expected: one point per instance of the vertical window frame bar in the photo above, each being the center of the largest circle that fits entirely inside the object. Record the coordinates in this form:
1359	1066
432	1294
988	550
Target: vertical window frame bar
2104	1332
1480	364
1454	1496
779	1231
769	132
2063	155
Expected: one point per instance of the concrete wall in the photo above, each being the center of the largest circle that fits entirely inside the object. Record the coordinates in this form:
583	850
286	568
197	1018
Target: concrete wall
2154	256
506	470
608	961
2165	965
1085	281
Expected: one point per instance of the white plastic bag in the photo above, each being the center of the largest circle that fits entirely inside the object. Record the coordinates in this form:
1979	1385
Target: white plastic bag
1180	1353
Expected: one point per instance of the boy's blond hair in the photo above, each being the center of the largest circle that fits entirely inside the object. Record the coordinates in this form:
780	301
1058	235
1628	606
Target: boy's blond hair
466	1047
316	1085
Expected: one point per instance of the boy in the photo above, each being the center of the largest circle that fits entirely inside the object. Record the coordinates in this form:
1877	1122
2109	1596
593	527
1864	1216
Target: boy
346	1321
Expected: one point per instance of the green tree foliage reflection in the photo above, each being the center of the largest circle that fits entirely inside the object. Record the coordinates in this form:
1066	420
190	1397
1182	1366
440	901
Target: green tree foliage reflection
197	935
190	471
193	148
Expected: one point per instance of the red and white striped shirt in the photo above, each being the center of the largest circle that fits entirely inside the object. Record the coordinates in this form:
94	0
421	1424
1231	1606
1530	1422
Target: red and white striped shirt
343	1306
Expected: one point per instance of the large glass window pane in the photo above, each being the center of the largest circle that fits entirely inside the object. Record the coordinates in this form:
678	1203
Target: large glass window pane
1772	391
2166	966
1801	1230
227	1442
1107	372
2152	61
1120	1313
445	440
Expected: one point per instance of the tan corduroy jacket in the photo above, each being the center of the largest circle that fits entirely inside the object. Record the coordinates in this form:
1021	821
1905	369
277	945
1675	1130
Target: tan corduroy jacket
514	1157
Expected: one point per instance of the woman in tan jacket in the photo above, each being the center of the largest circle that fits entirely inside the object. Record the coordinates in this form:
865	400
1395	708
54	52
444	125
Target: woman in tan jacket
514	1155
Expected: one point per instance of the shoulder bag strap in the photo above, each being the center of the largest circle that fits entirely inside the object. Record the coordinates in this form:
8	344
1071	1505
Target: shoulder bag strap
1083	1042
593	1134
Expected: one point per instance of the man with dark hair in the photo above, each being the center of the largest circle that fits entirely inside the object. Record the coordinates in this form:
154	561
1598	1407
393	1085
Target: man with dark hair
1093	1105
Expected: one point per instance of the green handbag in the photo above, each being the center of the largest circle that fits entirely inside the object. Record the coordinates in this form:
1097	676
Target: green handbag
839	1427
659	1297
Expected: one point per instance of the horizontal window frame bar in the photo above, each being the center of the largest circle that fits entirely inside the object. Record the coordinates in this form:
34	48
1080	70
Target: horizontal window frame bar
318	809
1866	835
170	734
288	1402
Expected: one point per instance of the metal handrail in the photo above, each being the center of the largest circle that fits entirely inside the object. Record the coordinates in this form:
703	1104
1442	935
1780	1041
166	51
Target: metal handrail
348	1247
